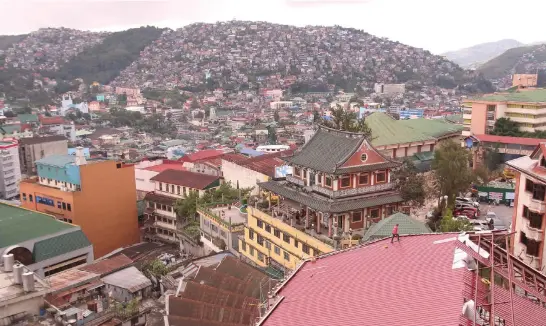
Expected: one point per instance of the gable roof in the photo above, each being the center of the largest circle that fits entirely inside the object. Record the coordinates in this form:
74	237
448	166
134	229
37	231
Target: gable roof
329	149
406	225
108	265
58	245
187	179
57	160
129	278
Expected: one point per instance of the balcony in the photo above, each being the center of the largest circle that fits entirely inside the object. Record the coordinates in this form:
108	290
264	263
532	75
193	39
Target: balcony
352	191
295	180
533	232
537	206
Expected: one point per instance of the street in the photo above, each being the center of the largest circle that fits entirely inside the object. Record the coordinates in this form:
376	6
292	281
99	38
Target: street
503	212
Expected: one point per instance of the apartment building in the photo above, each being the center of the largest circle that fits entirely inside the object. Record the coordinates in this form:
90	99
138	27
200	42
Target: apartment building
530	206
10	171
268	241
221	225
526	107
97	195
34	148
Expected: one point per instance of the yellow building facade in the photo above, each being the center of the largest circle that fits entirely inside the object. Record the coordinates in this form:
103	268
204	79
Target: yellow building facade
268	241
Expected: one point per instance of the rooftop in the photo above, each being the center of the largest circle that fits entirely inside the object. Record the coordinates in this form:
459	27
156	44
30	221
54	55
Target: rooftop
40	140
406	225
166	166
108	265
57	160
71	278
226	214
9	290
187	179
525	96
19	224
200	155
509	140
129	278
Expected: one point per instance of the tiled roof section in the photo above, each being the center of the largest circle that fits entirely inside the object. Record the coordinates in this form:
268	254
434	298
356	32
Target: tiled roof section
185	321
206	294
186	179
326	150
406	225
201	155
40	140
393	285
59	245
264	164
52	120
108	265
57	160
18	225
325	205
226	282
160	199
166	166
509	140
237	268
435	128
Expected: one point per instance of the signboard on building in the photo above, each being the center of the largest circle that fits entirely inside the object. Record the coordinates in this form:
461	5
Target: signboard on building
283	171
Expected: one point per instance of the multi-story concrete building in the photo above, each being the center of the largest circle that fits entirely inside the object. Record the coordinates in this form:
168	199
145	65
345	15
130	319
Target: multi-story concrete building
528	222
10	171
34	148
526	107
97	195
221	225
40	242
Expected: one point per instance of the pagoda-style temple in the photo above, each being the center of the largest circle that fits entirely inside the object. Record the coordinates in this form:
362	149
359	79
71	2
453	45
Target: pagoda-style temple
340	183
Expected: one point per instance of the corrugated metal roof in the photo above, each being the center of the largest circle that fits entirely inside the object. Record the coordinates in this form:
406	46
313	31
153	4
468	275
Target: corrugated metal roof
129	278
388	131
108	265
57	160
186	179
59	245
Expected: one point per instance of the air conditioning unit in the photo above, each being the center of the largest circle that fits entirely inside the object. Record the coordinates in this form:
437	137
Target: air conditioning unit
63	188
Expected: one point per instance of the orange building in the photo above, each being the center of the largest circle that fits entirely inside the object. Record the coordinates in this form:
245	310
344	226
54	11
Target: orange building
99	196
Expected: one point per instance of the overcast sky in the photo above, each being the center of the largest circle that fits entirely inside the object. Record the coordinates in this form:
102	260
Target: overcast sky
436	25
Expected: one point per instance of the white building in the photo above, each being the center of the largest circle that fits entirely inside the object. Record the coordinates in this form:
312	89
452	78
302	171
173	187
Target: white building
530	198
10	169
281	105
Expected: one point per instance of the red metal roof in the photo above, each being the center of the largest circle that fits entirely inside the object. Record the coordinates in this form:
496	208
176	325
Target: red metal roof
407	283
108	265
167	166
51	120
509	140
186	178
201	155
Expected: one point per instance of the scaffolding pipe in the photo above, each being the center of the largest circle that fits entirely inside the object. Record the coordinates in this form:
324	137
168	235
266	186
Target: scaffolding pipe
492	284
509	263
477	275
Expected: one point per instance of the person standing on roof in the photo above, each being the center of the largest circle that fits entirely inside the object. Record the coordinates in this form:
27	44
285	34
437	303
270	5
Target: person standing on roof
395	234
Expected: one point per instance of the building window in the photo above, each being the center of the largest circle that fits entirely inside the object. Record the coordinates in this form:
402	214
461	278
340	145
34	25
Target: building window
206	222
260	257
277	250
286	256
345	181
214	228
24	196
64	206
389	210
252	251
260	240
161	186
59	204
30	198
251	234
363	179
357	217
328	181
277	233
296	243
381	177
374	212
223	234
172	189
243	246
69	207
268	228
268	245
305	248
260	223
178	190
286	237
297	172
364	157
535	219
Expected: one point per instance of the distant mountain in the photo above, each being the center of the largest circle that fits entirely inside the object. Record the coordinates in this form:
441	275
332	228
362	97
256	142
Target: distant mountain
521	60
473	56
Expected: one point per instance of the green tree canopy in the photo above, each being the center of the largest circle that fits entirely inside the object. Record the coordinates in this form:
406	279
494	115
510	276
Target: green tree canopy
347	121
410	183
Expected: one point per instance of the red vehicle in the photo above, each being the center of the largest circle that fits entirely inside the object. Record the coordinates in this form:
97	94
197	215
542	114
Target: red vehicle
469	212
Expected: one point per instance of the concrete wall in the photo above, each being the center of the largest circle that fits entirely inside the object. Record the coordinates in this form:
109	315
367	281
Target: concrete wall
479	118
34	152
245	177
28	306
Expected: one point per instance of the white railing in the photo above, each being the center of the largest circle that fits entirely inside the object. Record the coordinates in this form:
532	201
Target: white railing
295	180
353	191
537	206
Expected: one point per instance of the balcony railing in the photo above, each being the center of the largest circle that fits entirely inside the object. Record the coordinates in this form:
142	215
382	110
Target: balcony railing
295	180
353	191
532	232
537	206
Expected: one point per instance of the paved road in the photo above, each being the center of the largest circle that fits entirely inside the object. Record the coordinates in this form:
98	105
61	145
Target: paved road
503	212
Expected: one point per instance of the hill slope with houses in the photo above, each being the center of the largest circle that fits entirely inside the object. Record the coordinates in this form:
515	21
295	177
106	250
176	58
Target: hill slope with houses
233	55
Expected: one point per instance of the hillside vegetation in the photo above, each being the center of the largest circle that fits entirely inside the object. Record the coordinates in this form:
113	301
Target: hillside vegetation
103	62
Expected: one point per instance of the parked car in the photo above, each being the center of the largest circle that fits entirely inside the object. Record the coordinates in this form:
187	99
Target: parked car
479	225
469	212
497	224
467	201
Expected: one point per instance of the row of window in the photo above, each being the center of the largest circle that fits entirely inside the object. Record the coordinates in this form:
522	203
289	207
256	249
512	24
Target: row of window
165	220
260	256
285	237
214	228
538	190
47	201
363	179
162	207
48	181
171	189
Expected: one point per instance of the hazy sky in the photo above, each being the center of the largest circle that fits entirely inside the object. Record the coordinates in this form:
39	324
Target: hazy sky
436	25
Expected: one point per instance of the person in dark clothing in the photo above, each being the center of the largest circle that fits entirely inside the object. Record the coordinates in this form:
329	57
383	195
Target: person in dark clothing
395	234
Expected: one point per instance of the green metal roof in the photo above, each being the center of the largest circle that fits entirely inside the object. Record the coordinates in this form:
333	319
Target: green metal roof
57	160
27	118
11	128
59	245
434	128
406	225
19	224
388	131
537	95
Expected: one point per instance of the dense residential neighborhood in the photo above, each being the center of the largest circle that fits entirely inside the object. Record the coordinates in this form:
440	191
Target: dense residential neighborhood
250	173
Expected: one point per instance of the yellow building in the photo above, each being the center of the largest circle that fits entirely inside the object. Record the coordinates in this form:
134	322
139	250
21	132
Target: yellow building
269	241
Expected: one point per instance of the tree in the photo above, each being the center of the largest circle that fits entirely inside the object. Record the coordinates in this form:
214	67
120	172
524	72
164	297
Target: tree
316	117
506	127
451	224
272	135
195	104
347	121
154	268
186	208
493	158
452	170
410	183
